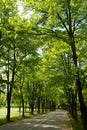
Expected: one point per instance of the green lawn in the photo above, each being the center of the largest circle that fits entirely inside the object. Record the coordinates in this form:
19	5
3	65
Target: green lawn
15	115
14	112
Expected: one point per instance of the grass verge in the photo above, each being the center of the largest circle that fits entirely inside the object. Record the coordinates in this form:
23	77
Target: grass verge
15	118
76	125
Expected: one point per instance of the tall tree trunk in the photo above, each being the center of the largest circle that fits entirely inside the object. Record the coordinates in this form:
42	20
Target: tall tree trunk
43	105
46	105
50	106
79	86
9	104
83	107
38	105
78	82
23	107
22	98
74	106
10	84
32	108
79	89
9	90
9	93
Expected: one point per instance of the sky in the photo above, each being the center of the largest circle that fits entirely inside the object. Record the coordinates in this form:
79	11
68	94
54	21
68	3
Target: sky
21	9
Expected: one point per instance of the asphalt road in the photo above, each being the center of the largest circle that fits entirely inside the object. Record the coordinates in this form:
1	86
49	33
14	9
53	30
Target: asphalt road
57	120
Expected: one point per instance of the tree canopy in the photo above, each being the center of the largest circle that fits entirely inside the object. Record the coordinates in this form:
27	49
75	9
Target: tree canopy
43	55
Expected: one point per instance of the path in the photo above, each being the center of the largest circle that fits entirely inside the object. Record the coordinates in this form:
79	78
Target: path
57	120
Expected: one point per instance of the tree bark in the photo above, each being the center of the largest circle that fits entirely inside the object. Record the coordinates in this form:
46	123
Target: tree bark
32	108
43	105
10	84
22	98
38	105
79	86
8	104
83	107
22	107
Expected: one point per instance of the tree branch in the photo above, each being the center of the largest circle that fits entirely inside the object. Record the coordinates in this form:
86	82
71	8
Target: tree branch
62	22
83	82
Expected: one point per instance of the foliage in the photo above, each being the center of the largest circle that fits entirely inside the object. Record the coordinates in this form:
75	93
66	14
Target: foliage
76	125
42	51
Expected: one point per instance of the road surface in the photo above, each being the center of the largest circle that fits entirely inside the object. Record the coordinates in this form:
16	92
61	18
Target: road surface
57	120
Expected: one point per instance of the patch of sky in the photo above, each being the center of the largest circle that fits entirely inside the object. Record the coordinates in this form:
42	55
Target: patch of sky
24	11
39	51
20	7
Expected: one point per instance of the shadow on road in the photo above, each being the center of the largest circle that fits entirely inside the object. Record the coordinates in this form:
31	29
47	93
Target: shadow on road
51	121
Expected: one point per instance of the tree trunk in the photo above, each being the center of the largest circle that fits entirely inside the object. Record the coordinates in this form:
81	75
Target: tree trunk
50	106
73	111
53	106
9	93
32	108
8	106
22	107
22	100
43	106
10	86
39	105
46	105
72	102
83	107
74	106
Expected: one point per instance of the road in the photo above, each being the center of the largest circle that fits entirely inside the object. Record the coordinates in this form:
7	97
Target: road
57	120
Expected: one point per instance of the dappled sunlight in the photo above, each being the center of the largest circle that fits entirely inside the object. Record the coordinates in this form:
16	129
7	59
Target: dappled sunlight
51	126
57	121
27	123
51	121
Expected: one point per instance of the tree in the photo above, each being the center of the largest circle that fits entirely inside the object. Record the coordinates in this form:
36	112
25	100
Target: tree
8	55
11	43
65	20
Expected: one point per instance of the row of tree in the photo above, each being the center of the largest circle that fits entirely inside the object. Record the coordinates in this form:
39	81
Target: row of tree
19	58
65	21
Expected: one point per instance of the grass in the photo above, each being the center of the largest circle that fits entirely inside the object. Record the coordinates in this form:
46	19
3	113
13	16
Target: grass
76	125
15	115
3	121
